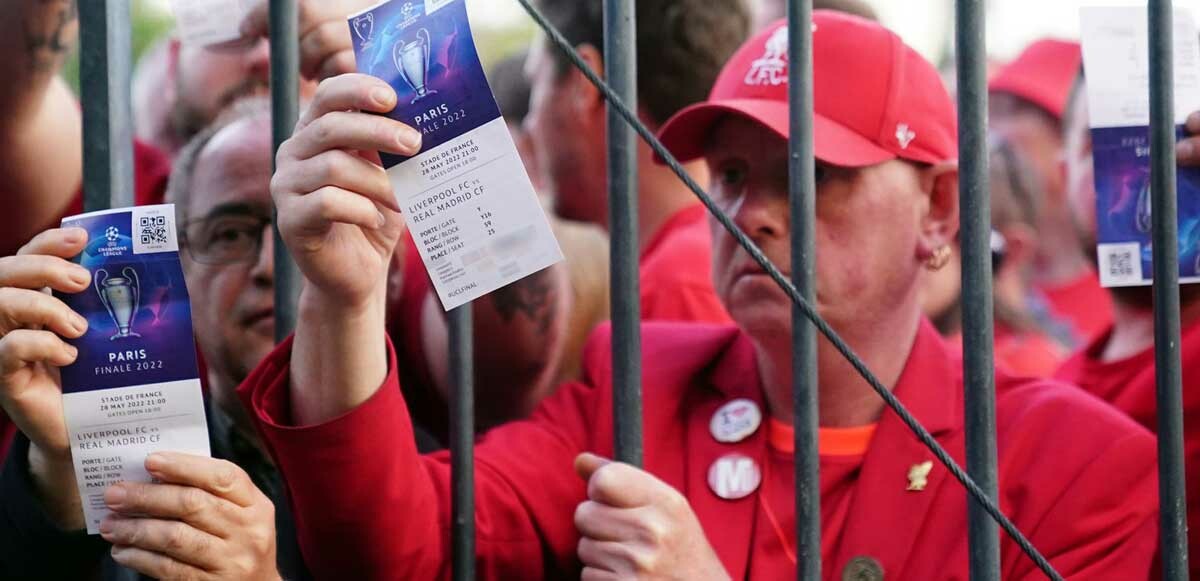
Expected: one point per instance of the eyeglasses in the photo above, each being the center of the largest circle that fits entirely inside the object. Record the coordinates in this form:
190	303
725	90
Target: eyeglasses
225	239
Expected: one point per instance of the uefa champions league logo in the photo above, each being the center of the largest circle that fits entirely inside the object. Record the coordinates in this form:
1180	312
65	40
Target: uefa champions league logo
408	14
364	27
112	234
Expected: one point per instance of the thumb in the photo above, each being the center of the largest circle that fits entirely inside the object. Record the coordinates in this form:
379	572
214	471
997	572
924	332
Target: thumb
586	464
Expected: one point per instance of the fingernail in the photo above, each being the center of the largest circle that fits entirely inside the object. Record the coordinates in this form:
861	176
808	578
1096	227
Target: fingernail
1184	149
383	97
76	235
382	219
106	526
408	138
115	496
71	351
156	462
1194	118
79	324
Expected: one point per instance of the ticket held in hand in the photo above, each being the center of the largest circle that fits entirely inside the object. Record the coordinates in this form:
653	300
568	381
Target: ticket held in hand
466	196
134	388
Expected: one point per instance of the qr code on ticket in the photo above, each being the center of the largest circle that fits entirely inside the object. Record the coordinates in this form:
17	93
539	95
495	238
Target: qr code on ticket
154	230
1120	264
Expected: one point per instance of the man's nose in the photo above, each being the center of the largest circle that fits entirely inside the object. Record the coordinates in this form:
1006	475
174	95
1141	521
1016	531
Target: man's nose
264	263
257	59
760	215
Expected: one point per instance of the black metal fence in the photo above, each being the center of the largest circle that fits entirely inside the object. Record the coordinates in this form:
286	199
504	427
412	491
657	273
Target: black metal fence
108	177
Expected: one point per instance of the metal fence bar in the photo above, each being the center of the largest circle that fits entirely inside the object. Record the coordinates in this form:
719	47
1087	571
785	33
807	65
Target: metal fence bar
802	203
462	443
975	236
105	59
1168	374
823	328
620	68
285	108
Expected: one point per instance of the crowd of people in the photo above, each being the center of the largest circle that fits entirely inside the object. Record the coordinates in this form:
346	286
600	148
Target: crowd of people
328	449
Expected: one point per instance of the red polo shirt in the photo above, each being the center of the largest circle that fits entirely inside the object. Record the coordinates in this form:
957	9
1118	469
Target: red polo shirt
1128	384
675	272
1083	303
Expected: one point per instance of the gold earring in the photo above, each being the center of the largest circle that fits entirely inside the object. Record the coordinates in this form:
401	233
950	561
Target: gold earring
939	259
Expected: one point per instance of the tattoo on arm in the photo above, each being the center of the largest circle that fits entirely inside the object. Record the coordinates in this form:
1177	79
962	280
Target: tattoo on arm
49	26
532	297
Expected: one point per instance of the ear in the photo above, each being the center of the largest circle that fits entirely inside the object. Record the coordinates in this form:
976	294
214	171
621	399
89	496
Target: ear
586	99
1020	244
939	225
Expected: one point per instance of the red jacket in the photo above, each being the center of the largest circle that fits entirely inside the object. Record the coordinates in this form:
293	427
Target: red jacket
1076	477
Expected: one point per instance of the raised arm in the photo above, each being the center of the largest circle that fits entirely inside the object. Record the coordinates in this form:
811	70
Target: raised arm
40	154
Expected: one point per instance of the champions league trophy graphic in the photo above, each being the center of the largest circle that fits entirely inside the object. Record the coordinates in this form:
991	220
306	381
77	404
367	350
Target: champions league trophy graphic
364	26
1144	222
120	295
412	60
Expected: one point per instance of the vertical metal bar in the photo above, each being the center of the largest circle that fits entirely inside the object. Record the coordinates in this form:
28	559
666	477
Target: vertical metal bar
620	68
104	69
802	195
462	443
285	109
1168	375
975	237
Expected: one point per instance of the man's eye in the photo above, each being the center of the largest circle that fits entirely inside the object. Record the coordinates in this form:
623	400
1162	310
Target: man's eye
732	176
820	173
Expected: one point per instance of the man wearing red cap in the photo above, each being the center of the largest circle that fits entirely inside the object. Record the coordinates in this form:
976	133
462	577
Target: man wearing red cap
715	499
1027	100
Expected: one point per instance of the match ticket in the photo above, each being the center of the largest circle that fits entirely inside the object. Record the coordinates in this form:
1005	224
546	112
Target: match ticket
208	22
467	199
134	388
1116	58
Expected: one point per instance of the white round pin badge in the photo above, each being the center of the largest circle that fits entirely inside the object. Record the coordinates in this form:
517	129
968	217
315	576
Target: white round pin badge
734	476
735	421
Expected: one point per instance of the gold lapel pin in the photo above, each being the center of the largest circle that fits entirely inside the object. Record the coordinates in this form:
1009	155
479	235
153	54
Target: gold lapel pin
918	476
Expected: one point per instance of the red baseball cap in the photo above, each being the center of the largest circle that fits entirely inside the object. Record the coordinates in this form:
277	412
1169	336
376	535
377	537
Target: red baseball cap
1043	74
875	98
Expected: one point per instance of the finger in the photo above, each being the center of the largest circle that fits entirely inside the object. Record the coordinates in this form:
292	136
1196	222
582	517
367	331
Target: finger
606	523
355	131
29	309
337	64
60	242
623	486
319	211
156	565
352	91
1187	152
617	558
1193	123
325	39
594	574
37	271
218	477
194	506
255	22
340	169
172	539
23	347
587	464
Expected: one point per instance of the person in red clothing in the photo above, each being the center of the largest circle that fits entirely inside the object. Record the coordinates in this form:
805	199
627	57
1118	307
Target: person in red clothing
1024	343
1027	98
714	499
681	47
1118	365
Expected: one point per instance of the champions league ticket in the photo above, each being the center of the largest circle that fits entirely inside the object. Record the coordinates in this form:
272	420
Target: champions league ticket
1116	58
134	388
467	199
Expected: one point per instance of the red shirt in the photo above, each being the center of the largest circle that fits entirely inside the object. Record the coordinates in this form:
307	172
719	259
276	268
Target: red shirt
841	457
1128	384
367	506
675	272
151	170
1030	354
1083	303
